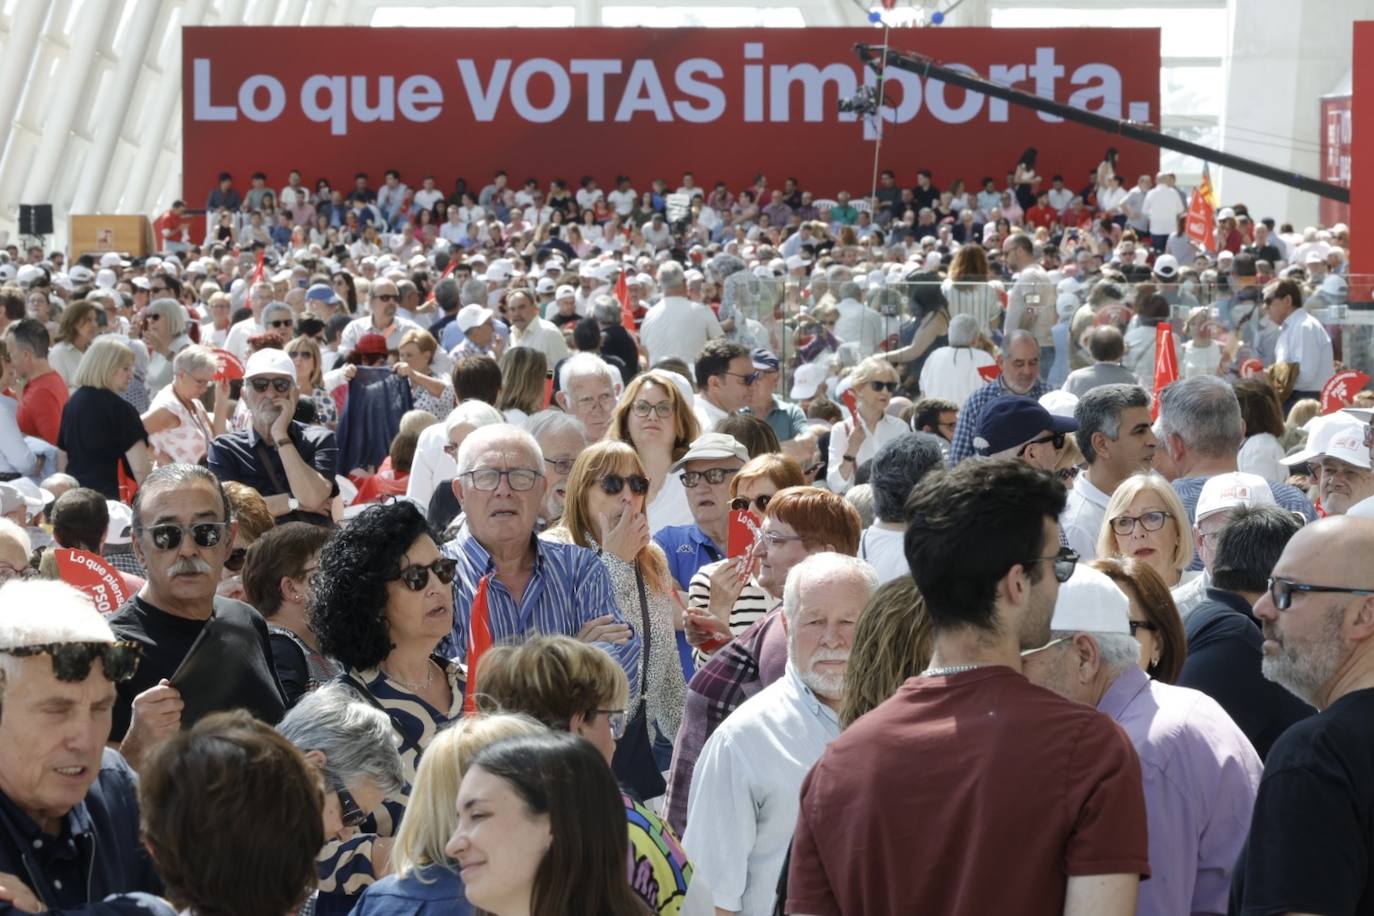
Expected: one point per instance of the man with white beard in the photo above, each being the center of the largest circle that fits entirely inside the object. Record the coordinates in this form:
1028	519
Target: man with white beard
746	788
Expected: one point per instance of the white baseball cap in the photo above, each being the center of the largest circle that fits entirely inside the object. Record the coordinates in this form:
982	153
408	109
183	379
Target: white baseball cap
1059	403
270	361
120	527
545	285
1347	444
565	292
807	380
1320	431
1232	490
1090	602
472	316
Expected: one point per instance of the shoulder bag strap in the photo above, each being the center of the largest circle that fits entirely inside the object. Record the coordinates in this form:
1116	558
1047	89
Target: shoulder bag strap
644	630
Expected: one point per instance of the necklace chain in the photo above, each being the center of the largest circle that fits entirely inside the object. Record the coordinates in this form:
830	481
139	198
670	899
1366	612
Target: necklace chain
413	688
948	670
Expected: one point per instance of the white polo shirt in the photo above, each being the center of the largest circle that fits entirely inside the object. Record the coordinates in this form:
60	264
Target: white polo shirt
543	336
678	327
1084	516
1304	341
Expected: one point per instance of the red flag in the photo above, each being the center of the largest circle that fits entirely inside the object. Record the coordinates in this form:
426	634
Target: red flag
1166	363
1201	221
448	269
627	312
479	641
258	271
1339	390
91	574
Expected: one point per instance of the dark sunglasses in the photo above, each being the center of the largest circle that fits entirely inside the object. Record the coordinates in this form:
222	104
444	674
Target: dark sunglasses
260	384
1064	562
387	297
612	484
234	563
204	534
284	323
741	504
1056	438
71	661
416	577
883	386
350	814
1143	625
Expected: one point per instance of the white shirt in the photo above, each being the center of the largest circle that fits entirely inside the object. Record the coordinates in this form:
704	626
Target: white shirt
356	329
1362	509
1261	454
237	340
211	336
431	465
622	201
670	506
1060	198
389	198
708	414
587	197
16	457
426	199
1189	594
884	550
1110	199
888	428
543	336
453	233
1162	207
1083	517
951	373
1033	290
1304	341
746	792
679	327
859	324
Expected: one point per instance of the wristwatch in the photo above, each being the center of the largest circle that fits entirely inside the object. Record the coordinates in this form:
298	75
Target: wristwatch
850	458
292	503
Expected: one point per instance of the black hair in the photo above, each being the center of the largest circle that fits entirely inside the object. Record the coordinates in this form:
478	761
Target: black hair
925	413
1249	547
715	357
348	606
897	468
587	335
32	335
967	527
79	519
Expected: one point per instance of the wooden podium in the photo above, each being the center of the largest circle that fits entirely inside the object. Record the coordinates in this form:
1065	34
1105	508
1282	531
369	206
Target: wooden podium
129	235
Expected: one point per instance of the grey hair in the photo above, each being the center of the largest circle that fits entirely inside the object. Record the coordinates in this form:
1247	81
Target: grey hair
357	739
446	294
173	474
606	309
490	435
580	365
897	468
474	413
192	358
860	496
11	530
824	567
474	292
1019	336
1204	412
838	274
671	276
1118	651
849	290
1099	411
273	307
963	330
170	311
552	422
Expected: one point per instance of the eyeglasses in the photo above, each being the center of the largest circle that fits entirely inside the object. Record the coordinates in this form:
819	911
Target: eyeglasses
642	409
1027	653
1064	562
284	323
562	466
883	386
349	813
204	534
298	355
488	479
71	661
158	289
280	385
748	380
741	504
612	484
616	719
387	297
416	577
603	401
234	563
1056	438
1151	521
1143	625
714	476
775	540
1281	591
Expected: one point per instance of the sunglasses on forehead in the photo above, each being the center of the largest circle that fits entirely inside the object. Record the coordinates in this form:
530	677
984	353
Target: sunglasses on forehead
71	661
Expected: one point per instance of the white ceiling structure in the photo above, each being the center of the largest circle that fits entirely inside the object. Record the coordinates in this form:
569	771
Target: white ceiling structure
90	90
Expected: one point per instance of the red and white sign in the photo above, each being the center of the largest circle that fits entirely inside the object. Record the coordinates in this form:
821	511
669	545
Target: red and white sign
722	103
92	575
1339	390
228	368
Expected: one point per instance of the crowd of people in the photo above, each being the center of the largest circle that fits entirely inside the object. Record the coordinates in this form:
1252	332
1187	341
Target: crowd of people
687	552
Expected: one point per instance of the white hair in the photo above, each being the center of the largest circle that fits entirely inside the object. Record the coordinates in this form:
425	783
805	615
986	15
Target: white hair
497	433
553	422
356	738
474	413
585	365
824	567
67	615
192	358
1118	651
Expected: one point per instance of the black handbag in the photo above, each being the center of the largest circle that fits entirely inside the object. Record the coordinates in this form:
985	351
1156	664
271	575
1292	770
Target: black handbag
634	763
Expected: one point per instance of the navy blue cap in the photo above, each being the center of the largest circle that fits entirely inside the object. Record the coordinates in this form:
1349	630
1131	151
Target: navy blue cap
322	292
1012	420
764	360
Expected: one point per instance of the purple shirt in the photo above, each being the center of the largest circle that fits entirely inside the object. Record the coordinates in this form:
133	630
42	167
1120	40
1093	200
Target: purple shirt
1201	775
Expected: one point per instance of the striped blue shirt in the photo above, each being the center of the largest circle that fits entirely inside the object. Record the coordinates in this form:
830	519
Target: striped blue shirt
962	445
568	587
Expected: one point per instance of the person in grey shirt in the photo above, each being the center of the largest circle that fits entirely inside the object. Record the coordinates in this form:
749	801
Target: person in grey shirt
1107	346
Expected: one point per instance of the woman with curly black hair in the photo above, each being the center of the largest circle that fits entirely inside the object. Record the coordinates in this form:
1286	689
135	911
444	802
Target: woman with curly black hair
382	603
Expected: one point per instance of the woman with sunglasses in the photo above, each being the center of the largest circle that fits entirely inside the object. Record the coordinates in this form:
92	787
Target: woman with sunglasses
654	416
101	432
164	334
178	425
1146	521
857	438
1155	621
382	603
571	686
305	356
604	511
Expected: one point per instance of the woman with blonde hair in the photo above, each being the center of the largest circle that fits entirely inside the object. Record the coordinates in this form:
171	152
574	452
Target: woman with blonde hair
422	875
856	440
604	511
893	641
1146	521
524	371
102	433
428	391
656	419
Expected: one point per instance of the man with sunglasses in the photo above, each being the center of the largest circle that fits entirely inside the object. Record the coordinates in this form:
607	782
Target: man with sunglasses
382	319
289	463
786	419
1021	428
725	378
1200	771
1309	845
69	820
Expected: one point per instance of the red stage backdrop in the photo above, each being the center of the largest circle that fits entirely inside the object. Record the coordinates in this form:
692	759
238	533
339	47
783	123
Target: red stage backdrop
1362	160
722	103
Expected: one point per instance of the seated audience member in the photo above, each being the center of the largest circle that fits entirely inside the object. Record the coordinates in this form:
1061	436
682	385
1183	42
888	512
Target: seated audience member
101	432
561	438
897	468
523	375
80	521
1021	428
178	426
705	471
571	687
119	540
798	522
1225	645
253	519
423	878
742	814
393	475
69	818
892	642
182	532
278	575
1116	441
45	392
1200	771
755	435
289	463
430	483
529	585
17	455
588	388
1155	623
15	552
655	417
265	801
1220	497
1346	479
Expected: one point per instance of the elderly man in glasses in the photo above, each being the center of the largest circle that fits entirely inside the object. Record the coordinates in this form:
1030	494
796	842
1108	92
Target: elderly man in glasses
289	463
182	533
383	320
1308	849
1200	771
511	585
69	828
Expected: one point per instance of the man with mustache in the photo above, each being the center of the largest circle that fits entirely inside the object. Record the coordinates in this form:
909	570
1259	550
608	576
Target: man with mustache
182	533
741	815
1308	850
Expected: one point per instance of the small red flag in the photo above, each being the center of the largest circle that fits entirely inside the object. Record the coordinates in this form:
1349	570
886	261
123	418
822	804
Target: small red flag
1200	224
448	269
1339	390
479	641
1166	363
258	271
627	311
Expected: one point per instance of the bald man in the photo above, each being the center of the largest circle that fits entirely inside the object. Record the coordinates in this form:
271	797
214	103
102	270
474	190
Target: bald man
1311	842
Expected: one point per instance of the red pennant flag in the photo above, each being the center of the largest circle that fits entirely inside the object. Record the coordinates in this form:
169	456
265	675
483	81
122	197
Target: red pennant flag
989	372
1339	390
1200	224
851	400
479	641
627	312
1166	363
258	271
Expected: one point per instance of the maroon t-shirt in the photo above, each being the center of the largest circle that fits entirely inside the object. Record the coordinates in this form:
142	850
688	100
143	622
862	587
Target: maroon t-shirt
971	794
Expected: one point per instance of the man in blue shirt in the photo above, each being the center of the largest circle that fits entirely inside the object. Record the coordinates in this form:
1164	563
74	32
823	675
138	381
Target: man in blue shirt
1020	362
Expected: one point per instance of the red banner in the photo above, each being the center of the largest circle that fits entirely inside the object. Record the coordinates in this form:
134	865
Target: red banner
227	366
725	104
1340	390
92	575
1166	363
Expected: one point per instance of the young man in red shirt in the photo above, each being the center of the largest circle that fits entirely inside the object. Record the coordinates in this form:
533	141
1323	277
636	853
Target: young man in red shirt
45	393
